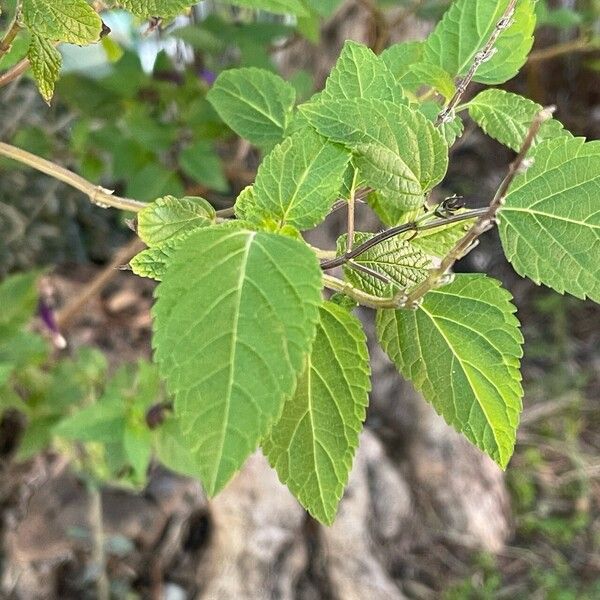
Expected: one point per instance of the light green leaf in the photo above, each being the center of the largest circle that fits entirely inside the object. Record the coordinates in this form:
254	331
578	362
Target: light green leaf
235	316
360	73
464	31
73	21
155	8
255	103
103	421
424	74
202	164
312	445
550	225
439	241
18	298
170	217
297	182
462	350
46	62
399	152
450	130
403	264
153	262
6	370
506	117
400	57
283	7
389	212
245	203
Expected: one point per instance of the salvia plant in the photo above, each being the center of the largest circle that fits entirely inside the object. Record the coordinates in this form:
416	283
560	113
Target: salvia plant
254	350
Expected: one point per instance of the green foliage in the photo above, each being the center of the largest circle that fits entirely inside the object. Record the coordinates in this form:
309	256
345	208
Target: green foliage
45	62
297	182
464	31
154	8
249	322
256	104
462	349
399	152
399	262
313	443
550	226
506	117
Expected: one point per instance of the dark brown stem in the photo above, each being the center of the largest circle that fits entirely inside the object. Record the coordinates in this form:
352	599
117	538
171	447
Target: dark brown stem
486	221
484	54
398	230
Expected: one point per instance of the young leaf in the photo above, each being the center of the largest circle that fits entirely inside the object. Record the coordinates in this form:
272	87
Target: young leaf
313	443
399	151
403	264
465	29
73	21
170	217
297	182
45	62
235	316
153	262
550	225
360	73
255	103
506	117
462	350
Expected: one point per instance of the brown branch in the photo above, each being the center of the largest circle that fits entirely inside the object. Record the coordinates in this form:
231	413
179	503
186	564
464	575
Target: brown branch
484	54
581	44
486	221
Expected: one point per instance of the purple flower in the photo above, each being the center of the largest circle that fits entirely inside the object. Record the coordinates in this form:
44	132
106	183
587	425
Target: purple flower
208	76
46	315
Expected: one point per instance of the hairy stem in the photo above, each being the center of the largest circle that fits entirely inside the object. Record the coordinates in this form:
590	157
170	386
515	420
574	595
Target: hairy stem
398	230
486	221
484	54
97	194
337	285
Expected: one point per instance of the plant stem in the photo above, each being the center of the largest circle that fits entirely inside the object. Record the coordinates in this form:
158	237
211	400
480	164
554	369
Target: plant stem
97	194
10	35
351	204
581	44
337	285
98	552
398	230
14	72
486	221
484	54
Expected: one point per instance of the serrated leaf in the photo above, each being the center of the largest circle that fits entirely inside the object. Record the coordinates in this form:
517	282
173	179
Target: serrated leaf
153	262
399	152
312	445
296	183
73	21
403	264
464	31
255	103
360	73
171	217
284	7
438	242
506	117
462	350
400	57
450	130
154	8
46	62
550	225
389	212
235	316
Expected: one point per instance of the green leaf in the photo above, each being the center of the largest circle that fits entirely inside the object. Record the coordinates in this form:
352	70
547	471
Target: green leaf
170	217
297	182
425	74
466	28
284	7
450	130
172	450
400	57
462	350
312	445
153	262
399	152
439	241
46	62
550	225
506	117
103	421
155	8
18	298
389	211
255	103
202	164
235	315
360	73
403	264
73	21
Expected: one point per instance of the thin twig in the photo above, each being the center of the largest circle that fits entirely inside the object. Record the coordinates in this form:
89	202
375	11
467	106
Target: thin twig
11	34
363	298
484	54
486	221
97	194
581	44
398	230
14	72
99	552
351	204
